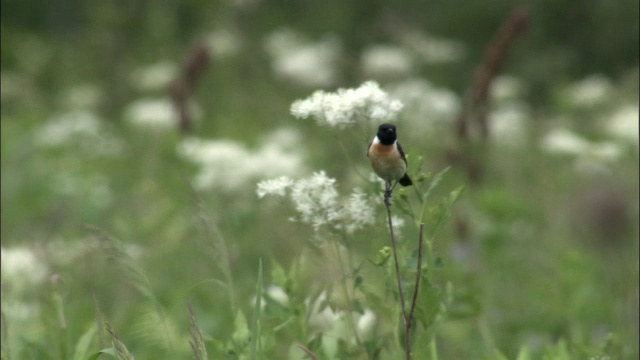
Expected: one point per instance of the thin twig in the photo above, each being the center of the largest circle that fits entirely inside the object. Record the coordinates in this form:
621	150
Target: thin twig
387	203
309	352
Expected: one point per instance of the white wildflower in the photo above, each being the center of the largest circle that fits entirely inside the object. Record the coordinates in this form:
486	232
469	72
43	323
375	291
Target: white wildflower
276	186
85	96
590	157
346	106
358	212
304	63
278	295
366	324
315	199
223	44
64	128
397	221
386	61
590	91
231	166
623	123
321	316
426	105
155	76
506	88
21	268
597	157
152	113
318	204
509	124
432	49
564	142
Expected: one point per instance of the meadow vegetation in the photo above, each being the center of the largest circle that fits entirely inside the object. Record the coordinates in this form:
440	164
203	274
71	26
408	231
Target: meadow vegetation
189	180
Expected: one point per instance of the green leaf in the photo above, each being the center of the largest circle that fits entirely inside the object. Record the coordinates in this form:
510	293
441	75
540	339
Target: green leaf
83	344
524	353
109	351
241	335
434	182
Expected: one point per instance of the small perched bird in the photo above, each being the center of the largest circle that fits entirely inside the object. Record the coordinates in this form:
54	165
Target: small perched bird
387	158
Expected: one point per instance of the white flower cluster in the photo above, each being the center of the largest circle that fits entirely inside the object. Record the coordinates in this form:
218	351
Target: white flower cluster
304	63
151	113
432	49
426	105
317	202
590	91
81	128
623	123
154	77
231	165
224	44
386	61
346	106
21	269
590	156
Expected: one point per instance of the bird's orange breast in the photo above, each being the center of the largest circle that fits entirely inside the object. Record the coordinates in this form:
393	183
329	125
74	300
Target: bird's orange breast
387	161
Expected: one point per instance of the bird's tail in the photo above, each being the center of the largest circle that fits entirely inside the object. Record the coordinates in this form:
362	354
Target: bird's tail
405	180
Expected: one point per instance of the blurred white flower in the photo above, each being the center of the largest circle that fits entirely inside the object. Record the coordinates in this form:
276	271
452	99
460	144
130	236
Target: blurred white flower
366	324
564	142
278	295
508	124
230	165
155	76
346	106
152	113
386	61
304	63
505	88
78	128
17	310
63	128
223	44
425	105
21	269
432	49
274	187
321	316
623	123
590	91
590	157
86	96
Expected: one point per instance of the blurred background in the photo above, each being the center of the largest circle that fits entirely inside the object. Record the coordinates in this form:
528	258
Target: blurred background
134	133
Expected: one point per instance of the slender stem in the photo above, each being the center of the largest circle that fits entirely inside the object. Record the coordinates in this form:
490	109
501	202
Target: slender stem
407	342
433	347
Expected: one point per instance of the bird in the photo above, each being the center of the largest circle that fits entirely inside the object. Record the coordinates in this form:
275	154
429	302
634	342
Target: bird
387	158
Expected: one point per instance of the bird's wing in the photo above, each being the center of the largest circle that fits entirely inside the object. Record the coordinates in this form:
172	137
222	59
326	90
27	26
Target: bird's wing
369	147
401	152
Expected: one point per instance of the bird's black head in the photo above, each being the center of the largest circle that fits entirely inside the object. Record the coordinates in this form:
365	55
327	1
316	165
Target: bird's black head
387	134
